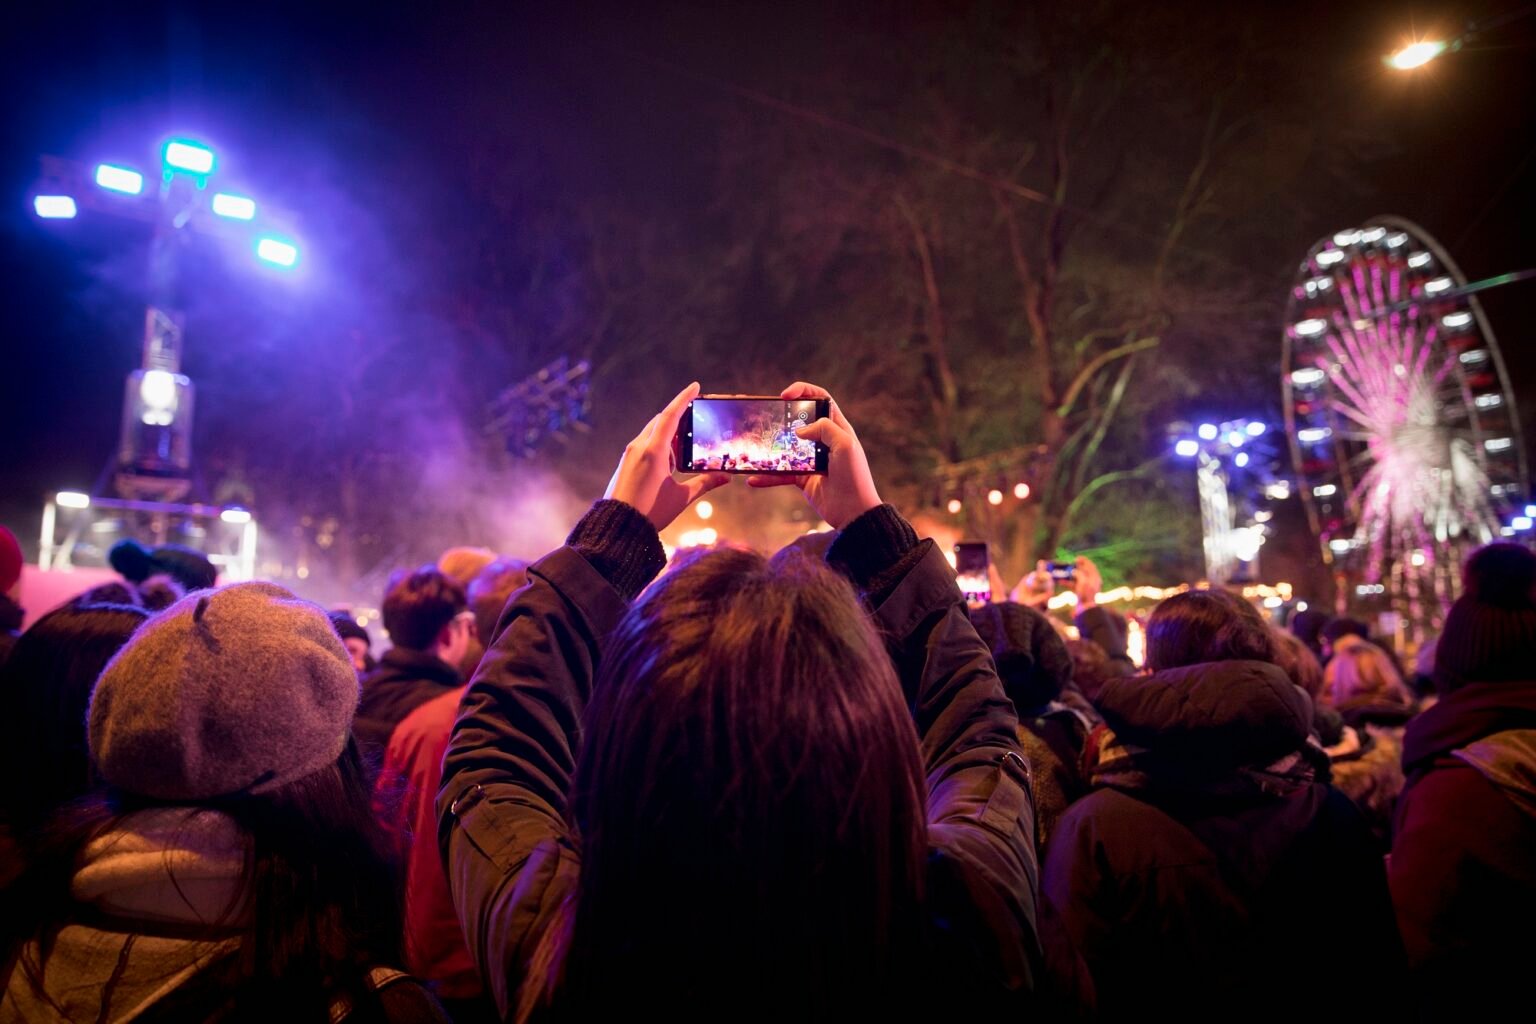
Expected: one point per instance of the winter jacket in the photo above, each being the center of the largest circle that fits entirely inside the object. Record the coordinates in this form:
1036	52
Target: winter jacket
126	953
512	857
1209	859
403	681
1052	738
1463	866
1367	762
407	785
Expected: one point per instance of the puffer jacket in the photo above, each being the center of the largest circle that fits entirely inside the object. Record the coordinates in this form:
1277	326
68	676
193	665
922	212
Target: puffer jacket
1368	762
511	853
157	920
1463	866
1209	857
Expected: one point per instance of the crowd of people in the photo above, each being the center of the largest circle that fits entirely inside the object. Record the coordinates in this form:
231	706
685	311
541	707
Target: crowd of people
728	786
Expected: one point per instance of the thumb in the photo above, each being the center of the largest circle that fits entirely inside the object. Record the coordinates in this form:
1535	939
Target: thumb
823	430
701	485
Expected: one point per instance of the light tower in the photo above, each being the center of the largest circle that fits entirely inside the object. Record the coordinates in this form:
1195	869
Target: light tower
151	468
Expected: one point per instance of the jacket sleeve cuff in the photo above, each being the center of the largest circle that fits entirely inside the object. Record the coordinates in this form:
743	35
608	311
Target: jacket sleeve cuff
621	544
874	549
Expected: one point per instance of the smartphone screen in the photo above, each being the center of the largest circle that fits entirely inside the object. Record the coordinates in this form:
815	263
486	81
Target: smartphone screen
971	564
750	434
1064	572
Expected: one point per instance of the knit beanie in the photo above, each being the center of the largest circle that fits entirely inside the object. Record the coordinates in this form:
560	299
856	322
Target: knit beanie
245	688
1032	658
348	629
10	560
1490	633
136	563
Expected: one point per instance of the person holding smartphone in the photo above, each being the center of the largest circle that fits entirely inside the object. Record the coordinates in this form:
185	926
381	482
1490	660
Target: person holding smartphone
751	792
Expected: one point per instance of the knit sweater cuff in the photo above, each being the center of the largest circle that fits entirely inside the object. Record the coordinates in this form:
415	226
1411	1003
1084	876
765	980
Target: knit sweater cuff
621	544
873	548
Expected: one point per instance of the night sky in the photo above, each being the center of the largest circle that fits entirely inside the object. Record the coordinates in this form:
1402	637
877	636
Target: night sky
386	127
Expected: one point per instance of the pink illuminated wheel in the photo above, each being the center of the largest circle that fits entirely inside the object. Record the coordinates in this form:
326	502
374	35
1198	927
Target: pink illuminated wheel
1402	425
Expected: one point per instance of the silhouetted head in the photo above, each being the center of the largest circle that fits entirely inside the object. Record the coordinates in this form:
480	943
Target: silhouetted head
45	687
422	613
1206	625
1293	655
749	796
490	590
1490	632
1363	674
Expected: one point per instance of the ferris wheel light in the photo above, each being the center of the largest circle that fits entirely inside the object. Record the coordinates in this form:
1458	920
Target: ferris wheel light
1474	356
994	497
1187	448
1339	546
1506	531
1460	319
1328	257
1311	328
1398	239
1416	55
1344	238
954	506
1241	460
1308	376
1207	431
1021	490
1435	286
1488	401
1419	259
1530	510
1256	429
1417	558
1324	491
1521	522
1236	438
1278	491
1373	234
1314	435
1499	444
1319	284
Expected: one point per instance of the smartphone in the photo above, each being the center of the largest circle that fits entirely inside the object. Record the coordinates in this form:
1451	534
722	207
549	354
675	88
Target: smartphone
750	434
971	571
1065	572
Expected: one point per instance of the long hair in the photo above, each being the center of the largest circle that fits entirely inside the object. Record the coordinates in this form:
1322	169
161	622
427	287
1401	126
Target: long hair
1364	674
45	686
319	898
749	801
1206	625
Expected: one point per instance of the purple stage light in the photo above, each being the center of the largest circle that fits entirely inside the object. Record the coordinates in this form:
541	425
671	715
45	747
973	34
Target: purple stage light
186	155
234	207
277	252
54	207
119	179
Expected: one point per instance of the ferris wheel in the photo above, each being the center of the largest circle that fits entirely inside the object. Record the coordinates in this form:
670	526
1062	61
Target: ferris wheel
1402	425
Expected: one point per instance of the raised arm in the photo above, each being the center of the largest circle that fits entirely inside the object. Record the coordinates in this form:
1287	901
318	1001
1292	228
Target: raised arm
502	820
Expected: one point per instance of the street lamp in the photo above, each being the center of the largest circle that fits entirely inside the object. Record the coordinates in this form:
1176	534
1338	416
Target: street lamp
1416	55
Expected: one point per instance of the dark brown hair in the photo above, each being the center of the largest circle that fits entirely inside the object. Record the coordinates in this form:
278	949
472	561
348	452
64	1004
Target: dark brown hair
750	803
1206	625
1296	658
418	605
45	687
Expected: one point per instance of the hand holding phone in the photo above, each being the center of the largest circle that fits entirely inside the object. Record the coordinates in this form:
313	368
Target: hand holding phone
972	563
847	489
644	477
